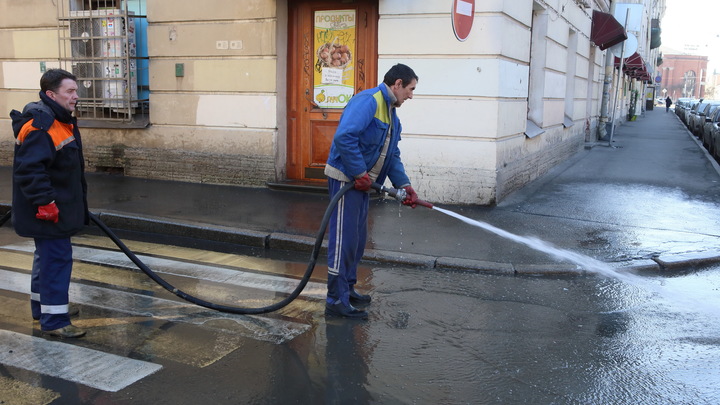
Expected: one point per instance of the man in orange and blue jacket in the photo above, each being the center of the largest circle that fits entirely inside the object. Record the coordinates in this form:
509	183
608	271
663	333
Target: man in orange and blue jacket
50	195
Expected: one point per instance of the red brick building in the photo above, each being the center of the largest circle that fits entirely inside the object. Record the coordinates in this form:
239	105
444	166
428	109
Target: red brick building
683	76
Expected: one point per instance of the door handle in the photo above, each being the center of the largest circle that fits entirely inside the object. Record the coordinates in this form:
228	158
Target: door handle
310	100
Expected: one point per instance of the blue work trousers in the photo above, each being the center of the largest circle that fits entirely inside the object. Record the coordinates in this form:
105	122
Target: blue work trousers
347	238
50	282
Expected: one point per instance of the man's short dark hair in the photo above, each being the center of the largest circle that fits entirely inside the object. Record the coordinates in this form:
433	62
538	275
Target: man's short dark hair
400	71
52	79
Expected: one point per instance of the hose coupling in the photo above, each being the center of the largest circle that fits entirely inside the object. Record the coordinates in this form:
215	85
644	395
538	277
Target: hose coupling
398	194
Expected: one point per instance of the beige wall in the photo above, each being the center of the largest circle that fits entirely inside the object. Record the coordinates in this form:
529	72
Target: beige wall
26	42
216	124
15	14
463	133
224	121
223	111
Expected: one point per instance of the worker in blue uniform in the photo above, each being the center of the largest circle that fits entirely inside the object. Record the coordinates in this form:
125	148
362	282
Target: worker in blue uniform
364	150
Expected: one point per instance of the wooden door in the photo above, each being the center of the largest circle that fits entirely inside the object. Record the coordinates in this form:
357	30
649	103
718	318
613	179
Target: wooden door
332	54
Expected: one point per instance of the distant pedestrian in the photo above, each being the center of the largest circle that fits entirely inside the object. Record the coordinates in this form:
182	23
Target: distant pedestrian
668	103
50	195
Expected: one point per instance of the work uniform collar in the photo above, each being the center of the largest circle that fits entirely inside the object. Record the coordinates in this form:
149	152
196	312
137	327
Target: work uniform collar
61	114
391	96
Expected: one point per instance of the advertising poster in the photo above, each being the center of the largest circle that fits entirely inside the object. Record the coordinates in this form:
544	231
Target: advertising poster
334	76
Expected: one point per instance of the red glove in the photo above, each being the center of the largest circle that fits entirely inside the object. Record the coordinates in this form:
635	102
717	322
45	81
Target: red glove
411	199
363	183
48	212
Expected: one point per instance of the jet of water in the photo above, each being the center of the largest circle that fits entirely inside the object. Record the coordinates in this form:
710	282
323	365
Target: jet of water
680	299
586	262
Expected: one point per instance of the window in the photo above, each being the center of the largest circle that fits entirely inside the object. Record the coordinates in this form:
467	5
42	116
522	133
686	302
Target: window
103	43
570	70
536	90
688	85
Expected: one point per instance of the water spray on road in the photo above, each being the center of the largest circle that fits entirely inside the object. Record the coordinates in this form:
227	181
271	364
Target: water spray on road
682	299
585	262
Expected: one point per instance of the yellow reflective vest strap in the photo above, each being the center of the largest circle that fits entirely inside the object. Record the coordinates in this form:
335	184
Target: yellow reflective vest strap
381	112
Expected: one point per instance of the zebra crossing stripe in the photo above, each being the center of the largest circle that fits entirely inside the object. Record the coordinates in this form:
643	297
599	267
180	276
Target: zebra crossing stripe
96	369
252	326
218	274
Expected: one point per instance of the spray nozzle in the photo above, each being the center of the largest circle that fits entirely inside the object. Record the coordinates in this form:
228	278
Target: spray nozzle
398	194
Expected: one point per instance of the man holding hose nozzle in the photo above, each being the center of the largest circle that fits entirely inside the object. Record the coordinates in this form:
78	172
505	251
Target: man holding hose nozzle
364	150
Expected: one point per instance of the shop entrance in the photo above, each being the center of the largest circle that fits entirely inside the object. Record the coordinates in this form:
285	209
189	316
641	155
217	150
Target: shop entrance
332	55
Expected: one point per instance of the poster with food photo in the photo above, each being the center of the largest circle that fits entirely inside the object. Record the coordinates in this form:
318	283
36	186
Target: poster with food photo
334	76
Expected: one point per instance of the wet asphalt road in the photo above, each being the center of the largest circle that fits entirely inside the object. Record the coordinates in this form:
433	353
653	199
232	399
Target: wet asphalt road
433	337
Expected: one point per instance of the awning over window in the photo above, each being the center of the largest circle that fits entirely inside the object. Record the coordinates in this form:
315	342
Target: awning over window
655	40
634	66
606	31
632	62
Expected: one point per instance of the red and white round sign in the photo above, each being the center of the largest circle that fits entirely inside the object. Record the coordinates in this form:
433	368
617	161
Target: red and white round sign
463	14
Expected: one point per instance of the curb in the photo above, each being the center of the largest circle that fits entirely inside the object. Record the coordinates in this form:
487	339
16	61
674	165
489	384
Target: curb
302	243
184	229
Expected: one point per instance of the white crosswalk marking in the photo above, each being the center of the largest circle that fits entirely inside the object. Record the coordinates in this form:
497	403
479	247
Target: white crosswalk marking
90	367
257	327
191	270
104	371
206	337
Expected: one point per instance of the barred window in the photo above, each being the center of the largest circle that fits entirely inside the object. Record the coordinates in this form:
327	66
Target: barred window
104	44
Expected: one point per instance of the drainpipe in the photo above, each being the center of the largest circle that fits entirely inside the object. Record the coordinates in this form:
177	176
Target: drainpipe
619	83
607	81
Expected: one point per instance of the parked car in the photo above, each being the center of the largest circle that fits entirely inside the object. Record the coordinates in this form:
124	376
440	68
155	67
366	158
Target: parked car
706	127
715	143
686	109
690	113
696	119
681	106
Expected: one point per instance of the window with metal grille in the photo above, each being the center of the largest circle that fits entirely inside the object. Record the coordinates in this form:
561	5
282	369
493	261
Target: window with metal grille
104	44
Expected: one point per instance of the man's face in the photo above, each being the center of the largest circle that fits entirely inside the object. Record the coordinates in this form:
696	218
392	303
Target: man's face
66	94
403	93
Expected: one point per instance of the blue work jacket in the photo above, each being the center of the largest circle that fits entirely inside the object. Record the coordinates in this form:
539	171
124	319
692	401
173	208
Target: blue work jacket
360	137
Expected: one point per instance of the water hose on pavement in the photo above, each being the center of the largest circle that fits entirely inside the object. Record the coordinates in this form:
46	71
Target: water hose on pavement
5	217
226	308
398	194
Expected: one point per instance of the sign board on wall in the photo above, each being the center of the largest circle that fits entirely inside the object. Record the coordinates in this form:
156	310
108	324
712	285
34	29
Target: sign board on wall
334	44
626	48
463	14
634	13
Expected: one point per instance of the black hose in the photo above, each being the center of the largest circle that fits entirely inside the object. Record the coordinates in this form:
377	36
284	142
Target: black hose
225	308
5	218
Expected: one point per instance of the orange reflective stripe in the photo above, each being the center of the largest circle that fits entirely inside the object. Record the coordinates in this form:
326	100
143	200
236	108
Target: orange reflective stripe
24	131
61	134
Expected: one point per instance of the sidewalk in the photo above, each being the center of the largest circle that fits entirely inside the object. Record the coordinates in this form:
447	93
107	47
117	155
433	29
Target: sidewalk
649	202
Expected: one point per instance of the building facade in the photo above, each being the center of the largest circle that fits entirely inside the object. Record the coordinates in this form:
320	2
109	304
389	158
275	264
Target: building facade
249	93
685	76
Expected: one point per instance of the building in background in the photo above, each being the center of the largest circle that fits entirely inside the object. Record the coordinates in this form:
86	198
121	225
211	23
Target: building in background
684	76
249	93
